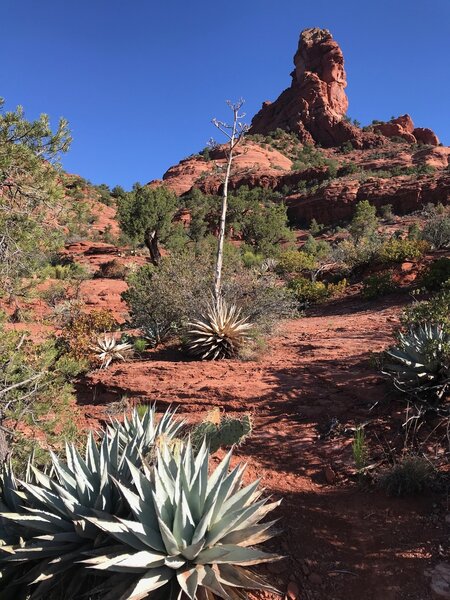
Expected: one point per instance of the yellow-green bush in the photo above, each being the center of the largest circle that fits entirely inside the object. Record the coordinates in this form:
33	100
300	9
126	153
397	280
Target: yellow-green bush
397	250
294	262
82	328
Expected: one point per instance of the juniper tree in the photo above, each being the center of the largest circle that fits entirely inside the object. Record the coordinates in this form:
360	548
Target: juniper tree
146	214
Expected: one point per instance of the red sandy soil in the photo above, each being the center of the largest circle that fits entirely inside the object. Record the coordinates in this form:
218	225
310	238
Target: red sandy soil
342	541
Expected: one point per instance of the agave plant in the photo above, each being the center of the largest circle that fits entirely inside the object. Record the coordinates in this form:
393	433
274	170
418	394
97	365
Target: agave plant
143	433
419	363
219	334
156	332
44	527
107	349
192	534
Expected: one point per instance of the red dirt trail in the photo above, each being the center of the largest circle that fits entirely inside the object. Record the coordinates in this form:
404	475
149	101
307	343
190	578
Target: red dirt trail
315	384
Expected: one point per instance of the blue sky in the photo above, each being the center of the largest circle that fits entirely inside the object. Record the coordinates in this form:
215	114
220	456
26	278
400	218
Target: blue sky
140	80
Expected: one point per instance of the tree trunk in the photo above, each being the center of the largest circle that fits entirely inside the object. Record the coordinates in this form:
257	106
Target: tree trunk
223	216
151	241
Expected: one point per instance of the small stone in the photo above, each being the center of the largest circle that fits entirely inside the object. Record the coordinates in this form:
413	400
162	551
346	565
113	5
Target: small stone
330	475
293	592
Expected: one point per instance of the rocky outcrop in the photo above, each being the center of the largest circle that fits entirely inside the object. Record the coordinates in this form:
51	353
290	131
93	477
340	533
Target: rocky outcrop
336	201
403	127
426	136
316	103
251	161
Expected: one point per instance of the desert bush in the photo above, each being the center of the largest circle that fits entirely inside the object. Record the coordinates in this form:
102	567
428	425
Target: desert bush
140	345
351	254
378	285
307	291
65	272
151	548
436	274
54	293
364	222
398	250
113	269
36	390
414	232
315	228
411	475
295	262
386	212
435	311
162	301
311	292
81	329
437	226
251	260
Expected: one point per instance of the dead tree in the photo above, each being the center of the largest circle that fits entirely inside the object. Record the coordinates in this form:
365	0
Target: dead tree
235	133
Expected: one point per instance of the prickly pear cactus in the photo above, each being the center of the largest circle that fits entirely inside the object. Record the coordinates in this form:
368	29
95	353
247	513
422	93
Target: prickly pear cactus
227	431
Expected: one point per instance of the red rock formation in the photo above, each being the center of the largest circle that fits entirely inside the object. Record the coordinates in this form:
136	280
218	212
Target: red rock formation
426	136
404	127
316	103
336	202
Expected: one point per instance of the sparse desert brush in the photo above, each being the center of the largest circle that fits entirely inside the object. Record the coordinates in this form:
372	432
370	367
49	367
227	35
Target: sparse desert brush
113	269
411	475
378	285
434	311
82	328
398	250
436	274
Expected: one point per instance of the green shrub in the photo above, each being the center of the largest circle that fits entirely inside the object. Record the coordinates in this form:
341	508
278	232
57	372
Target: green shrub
140	345
412	475
386	212
398	250
364	222
437	226
307	291
435	311
294	262
315	228
414	232
351	254
251	260
377	285
437	273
